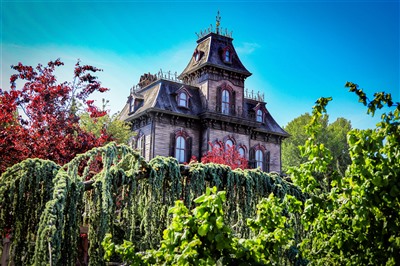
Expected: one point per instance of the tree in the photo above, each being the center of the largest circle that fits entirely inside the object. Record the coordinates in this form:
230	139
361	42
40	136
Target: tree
227	156
357	222
119	130
333	136
337	144
41	119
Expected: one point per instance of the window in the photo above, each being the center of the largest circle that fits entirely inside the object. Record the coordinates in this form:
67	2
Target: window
140	143
225	102
183	99
227	56
259	159
131	104
197	55
229	144
180	149
241	152
259	116
180	145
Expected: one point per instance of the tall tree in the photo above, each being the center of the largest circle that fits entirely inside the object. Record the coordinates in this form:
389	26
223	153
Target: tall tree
337	144
333	136
41	119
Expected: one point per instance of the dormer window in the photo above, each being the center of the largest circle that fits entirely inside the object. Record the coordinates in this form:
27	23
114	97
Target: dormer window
259	115
197	55
183	99
227	55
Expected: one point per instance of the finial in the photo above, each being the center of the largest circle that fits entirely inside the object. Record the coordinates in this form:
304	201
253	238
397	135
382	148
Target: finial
218	20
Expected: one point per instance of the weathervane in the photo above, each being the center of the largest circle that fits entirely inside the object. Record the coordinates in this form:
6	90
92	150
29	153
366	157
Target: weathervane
218	20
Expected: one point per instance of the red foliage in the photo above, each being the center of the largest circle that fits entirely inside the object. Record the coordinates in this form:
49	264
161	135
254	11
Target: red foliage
228	156
40	119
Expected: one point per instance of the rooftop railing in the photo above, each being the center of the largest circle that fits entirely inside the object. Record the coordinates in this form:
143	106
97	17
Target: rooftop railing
257	96
166	75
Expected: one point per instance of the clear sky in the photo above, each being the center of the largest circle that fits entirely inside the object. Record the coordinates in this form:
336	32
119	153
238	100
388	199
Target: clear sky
297	51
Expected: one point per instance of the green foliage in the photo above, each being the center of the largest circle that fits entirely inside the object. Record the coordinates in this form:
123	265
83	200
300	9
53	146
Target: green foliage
333	136
357	222
112	189
247	218
197	238
201	236
25	188
118	130
273	229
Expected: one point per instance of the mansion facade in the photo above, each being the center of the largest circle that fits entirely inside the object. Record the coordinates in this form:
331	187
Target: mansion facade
207	103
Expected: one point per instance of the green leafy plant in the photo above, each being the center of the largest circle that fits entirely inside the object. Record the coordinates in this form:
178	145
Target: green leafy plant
201	236
357	222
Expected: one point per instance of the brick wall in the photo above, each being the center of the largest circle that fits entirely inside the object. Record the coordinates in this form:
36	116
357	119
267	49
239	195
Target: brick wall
163	138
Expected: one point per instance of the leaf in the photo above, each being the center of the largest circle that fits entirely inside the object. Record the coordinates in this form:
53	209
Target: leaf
203	229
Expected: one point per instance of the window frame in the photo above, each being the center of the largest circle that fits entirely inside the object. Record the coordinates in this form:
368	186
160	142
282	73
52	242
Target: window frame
180	99
259	159
225	105
227	54
255	161
180	149
242	147
259	115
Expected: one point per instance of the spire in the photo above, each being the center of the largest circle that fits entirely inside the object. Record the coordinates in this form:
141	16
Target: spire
218	29
218	22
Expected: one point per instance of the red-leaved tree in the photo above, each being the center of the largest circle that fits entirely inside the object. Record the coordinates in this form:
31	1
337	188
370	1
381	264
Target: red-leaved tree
228	156
41	120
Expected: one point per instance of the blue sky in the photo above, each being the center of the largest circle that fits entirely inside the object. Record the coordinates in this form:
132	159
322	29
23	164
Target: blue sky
297	51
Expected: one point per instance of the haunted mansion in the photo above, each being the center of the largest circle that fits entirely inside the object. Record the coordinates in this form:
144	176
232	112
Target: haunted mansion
207	104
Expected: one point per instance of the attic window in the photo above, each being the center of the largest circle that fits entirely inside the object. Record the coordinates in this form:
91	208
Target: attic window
183	99
259	116
197	55
227	55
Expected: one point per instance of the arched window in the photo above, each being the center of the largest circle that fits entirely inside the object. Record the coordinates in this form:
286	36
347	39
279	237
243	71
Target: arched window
259	116
227	56
180	146
229	144
259	159
241	152
180	149
183	99
225	102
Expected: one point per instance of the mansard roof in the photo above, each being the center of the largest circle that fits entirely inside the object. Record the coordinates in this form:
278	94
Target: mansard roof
210	49
162	96
269	125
